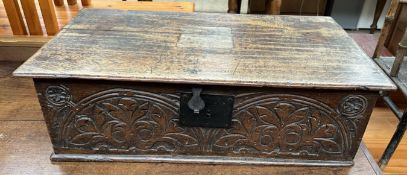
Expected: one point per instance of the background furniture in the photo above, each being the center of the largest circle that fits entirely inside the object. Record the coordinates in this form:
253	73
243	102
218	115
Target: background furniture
286	7
31	17
55	17
271	6
345	12
289	7
397	29
396	69
15	42
378	12
294	7
71	2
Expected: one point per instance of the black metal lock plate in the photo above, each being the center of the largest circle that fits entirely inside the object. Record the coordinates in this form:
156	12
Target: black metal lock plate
217	112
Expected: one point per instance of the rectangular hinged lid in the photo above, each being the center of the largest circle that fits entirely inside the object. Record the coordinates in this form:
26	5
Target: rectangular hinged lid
204	48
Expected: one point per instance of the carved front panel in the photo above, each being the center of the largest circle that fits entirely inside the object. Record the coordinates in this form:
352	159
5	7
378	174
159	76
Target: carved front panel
124	120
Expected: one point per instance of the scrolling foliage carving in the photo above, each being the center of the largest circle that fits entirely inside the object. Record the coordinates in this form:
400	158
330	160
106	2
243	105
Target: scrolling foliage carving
263	125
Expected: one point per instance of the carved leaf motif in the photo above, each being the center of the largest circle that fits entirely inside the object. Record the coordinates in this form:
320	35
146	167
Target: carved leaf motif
326	131
328	145
182	139
238	127
297	116
229	140
127	104
107	120
100	118
85	124
284	110
84	138
173	126
325	135
140	111
159	117
249	122
285	127
268	116
115	111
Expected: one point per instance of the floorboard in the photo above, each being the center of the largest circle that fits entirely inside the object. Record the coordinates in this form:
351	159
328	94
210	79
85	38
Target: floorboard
17	95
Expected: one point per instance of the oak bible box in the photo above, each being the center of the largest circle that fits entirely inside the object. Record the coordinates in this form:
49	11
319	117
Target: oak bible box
120	85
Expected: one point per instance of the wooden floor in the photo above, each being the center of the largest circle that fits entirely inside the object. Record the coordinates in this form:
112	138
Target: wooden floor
383	122
377	136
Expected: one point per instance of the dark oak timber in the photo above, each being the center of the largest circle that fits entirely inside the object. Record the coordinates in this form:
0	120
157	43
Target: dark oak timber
221	49
110	85
104	117
34	155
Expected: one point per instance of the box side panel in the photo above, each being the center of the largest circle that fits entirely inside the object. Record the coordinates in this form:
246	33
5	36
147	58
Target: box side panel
142	119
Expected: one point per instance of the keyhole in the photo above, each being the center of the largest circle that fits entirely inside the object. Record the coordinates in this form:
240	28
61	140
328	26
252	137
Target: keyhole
196	103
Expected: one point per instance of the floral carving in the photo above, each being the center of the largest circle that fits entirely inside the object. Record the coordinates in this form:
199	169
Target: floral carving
353	105
283	127
267	125
57	95
128	121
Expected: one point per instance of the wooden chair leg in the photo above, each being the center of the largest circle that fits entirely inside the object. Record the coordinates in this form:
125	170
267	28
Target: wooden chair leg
59	2
386	28
31	17
71	2
49	16
377	13
394	142
14	17
234	6
86	2
273	7
401	53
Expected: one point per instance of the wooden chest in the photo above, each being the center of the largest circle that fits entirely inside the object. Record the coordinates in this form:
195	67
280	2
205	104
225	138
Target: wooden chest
213	88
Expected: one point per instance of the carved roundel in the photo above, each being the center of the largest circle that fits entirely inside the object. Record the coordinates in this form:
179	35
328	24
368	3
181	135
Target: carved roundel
57	95
353	105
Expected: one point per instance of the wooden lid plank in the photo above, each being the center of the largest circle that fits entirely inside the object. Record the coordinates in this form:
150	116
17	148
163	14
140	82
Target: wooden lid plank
205	48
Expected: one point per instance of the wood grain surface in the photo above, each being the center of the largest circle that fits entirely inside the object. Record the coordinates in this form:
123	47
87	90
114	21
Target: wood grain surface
17	95
250	50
